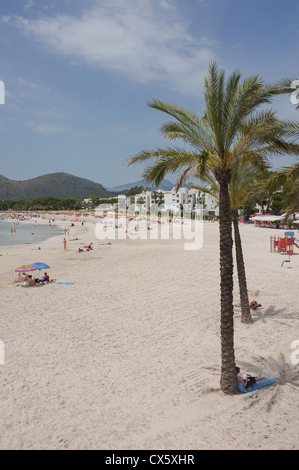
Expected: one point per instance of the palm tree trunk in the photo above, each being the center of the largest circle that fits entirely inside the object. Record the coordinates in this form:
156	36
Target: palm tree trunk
245	309
228	380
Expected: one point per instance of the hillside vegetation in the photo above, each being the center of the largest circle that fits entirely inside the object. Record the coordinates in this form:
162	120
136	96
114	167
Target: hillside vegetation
61	185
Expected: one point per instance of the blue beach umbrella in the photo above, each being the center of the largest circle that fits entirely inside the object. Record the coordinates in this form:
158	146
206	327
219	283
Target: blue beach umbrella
40	266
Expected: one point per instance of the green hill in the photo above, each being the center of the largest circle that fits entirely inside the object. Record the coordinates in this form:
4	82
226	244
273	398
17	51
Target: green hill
61	185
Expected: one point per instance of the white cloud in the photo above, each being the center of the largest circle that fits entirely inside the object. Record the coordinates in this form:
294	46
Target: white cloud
28	4
144	40
27	83
46	128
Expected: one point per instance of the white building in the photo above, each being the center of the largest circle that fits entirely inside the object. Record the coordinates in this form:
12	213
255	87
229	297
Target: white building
210	205
182	199
175	201
145	201
185	199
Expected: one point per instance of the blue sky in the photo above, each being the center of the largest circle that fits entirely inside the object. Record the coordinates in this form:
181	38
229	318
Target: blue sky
78	74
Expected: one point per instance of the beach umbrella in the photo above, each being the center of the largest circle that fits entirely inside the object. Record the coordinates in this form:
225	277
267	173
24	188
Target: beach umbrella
24	268
40	266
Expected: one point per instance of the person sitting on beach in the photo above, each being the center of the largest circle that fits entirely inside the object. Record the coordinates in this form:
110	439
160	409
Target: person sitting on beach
25	280
44	279
254	304
25	277
247	379
31	280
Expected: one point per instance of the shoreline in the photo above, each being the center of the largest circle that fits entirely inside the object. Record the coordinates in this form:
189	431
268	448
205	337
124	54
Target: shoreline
61	220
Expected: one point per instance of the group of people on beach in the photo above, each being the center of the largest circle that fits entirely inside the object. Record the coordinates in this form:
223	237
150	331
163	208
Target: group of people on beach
29	280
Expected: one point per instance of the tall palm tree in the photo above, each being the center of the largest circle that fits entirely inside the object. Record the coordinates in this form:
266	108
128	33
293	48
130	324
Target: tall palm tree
240	191
232	130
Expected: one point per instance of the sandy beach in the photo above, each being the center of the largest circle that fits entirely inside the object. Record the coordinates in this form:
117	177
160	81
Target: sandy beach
127	356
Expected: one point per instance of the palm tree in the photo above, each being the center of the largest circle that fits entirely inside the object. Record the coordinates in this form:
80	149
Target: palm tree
240	192
229	132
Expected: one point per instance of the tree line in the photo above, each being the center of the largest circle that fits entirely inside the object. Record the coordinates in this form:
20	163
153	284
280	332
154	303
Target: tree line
48	203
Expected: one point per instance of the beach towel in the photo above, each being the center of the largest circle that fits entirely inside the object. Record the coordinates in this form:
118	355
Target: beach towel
66	283
264	382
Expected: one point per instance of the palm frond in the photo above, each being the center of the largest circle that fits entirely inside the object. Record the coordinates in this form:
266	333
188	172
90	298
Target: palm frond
188	118
214	100
289	86
251	94
169	160
185	175
291	129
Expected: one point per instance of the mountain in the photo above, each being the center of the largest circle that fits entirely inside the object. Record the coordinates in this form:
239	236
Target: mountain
61	185
165	185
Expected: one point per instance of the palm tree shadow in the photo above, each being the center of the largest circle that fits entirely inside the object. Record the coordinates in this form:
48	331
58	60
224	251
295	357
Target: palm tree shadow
282	371
275	314
279	369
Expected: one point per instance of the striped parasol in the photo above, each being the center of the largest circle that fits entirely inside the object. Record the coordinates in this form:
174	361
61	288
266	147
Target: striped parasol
25	267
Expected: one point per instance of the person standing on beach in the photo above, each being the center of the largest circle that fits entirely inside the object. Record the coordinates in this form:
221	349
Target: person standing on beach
64	243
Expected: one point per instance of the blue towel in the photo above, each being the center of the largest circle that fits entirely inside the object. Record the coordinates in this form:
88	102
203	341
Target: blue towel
264	382
67	283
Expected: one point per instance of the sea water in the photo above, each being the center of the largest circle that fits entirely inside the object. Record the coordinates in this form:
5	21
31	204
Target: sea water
14	233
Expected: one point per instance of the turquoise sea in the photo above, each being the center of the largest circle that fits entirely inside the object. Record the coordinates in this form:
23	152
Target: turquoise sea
13	233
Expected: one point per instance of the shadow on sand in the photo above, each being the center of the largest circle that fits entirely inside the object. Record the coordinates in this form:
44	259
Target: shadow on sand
273	313
281	370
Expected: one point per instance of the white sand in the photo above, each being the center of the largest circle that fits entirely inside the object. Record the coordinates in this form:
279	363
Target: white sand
128	356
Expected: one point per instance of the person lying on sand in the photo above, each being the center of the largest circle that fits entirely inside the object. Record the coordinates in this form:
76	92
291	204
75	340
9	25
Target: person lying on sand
253	304
247	379
86	248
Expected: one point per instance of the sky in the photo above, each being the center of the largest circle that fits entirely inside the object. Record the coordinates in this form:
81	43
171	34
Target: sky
78	75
